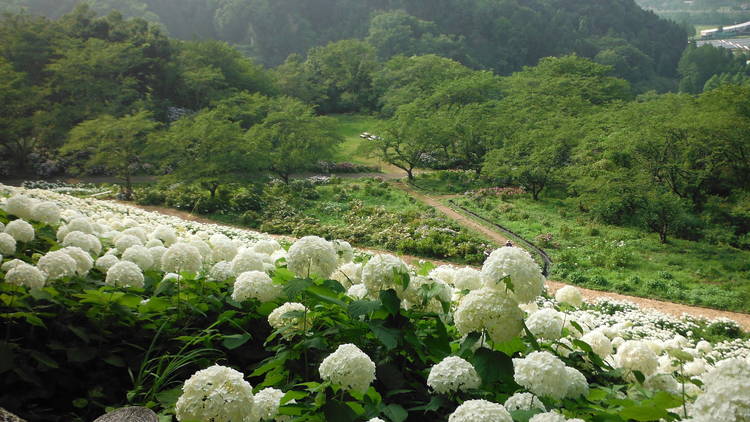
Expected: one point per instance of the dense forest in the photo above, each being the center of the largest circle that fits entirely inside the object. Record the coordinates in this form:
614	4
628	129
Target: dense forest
501	36
700	12
110	95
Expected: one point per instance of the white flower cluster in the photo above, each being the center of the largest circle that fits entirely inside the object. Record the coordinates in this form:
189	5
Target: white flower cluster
492	310
348	367
546	323
453	374
312	255
256	285
544	374
569	295
515	263
286	319
216	394
524	401
726	396
480	411
381	273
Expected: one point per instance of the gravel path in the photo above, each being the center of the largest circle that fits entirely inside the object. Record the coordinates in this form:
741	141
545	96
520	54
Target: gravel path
675	309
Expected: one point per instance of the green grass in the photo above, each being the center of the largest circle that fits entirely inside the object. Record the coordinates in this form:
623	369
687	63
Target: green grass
350	126
446	182
624	259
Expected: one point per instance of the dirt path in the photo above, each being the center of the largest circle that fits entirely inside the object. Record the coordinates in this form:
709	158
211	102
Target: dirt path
461	219
670	308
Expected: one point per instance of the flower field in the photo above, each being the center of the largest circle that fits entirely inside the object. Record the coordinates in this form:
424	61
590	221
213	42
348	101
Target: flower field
105	305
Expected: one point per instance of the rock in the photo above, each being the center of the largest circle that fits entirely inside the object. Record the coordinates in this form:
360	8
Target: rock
129	414
6	416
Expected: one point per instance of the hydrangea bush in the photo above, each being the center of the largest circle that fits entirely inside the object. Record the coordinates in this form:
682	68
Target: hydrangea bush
105	306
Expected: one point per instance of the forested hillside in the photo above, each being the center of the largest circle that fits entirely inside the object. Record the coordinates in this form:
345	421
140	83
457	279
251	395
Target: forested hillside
498	35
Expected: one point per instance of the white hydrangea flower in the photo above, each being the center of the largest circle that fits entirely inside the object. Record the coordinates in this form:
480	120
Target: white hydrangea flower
569	295
105	262
635	355
348	367
357	291
491	310
525	274
542	373
223	249
600	344
548	417
444	273
157	252
375	420
247	260
203	248
312	255
524	401
266	246
290	325
84	262
7	266
26	275
348	274
344	251
380	273
695	367
453	374
216	394
546	323
80	224
87	242
46	212
413	296
20	230
663	382
124	241
57	264
577	383
182	257
480	411
266	403
20	205
166	234
221	271
140	255
467	279
2	225
154	242
726	396
7	244
138	232
125	274
704	347
256	285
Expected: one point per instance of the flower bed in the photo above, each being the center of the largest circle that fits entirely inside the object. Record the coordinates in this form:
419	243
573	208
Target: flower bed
106	305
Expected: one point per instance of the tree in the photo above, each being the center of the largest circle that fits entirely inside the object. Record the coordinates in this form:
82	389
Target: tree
17	103
406	140
291	138
664	213
116	144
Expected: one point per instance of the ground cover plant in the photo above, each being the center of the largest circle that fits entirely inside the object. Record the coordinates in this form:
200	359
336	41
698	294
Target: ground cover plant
106	305
623	259
363	212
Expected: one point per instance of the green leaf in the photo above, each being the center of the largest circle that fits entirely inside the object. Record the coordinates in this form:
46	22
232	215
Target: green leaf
524	415
294	287
680	355
324	294
114	360
435	403
363	307
396	413
44	359
234	341
80	403
293	395
597	394
168	398
6	357
425	269
390	301
387	335
468	344
511	347
81	354
493	366
336	411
